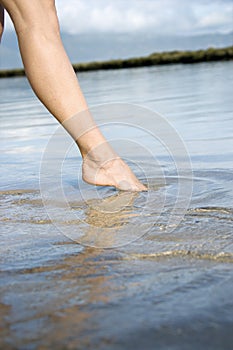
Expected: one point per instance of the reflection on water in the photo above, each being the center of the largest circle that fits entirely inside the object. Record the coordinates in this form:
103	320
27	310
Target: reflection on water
55	293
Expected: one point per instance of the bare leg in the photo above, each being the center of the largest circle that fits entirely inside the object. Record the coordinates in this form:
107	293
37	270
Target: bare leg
53	80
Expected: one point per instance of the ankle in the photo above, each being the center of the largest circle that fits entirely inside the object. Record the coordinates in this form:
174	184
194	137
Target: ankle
99	153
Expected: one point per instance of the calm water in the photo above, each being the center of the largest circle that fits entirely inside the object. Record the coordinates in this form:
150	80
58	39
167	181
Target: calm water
169	288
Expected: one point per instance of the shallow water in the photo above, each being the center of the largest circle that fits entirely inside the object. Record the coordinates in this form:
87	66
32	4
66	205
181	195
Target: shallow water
162	286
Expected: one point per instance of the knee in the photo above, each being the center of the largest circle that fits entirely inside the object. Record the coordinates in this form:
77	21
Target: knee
51	19
33	16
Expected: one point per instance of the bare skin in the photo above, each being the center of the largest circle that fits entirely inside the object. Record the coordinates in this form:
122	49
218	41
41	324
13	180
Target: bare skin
53	80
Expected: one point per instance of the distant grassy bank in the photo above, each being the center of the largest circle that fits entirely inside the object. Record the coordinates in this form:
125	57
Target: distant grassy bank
170	57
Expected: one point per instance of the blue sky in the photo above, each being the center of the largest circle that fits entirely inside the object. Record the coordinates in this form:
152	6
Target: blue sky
158	16
107	29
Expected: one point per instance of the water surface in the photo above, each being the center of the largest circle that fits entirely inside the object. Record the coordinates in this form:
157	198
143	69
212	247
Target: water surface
165	290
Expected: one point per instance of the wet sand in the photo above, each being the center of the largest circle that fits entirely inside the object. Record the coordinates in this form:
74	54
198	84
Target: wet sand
164	290
99	300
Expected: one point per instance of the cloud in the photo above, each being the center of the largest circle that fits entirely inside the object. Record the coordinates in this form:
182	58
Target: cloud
156	16
160	17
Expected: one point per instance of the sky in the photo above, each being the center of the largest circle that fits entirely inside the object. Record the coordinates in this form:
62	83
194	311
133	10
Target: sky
189	17
159	16
108	29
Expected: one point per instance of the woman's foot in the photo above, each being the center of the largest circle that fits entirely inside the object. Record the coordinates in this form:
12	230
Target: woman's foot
113	172
101	164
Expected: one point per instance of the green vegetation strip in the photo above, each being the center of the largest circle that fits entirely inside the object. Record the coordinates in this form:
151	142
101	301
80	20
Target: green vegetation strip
171	57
